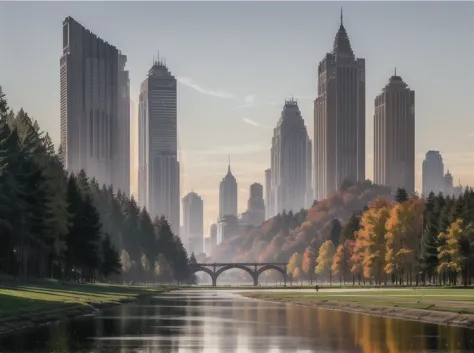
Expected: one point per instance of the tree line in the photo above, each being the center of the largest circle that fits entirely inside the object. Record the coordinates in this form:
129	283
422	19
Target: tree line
60	225
408	241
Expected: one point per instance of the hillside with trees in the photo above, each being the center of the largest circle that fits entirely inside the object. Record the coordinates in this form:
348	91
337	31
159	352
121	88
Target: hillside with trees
59	225
335	219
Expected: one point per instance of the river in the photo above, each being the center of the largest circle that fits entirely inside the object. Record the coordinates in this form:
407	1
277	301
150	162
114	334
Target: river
219	321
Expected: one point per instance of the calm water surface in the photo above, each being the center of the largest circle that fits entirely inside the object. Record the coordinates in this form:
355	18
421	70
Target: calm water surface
216	321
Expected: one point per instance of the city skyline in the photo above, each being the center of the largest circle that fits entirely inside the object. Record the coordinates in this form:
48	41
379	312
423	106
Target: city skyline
250	152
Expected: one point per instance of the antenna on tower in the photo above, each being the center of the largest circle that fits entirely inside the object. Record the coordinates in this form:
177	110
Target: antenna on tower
395	71
229	164
341	16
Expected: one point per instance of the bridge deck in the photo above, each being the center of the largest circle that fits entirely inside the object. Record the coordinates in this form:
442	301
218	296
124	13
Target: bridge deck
243	264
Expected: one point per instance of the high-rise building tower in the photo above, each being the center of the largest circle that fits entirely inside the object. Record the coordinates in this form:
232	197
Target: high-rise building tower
394	136
255	214
268	194
433	173
339	118
158	169
289	160
309	175
89	72
228	195
121	132
193	223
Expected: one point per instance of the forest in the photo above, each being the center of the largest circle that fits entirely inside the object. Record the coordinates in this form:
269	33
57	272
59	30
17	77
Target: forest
363	234
54	224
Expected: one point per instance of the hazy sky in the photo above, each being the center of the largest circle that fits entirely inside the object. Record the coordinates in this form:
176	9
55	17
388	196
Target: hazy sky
237	62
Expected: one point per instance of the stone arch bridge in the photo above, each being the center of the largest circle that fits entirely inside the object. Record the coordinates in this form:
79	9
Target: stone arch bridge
253	269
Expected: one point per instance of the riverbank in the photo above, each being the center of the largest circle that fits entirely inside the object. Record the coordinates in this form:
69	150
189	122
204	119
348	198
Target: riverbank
453	307
29	305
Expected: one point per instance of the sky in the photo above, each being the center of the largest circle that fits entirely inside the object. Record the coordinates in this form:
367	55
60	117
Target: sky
237	62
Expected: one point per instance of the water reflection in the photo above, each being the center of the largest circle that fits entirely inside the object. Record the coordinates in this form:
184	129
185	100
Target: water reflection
222	322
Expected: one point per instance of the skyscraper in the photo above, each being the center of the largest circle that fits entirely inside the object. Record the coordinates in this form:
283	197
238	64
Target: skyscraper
433	173
158	173
394	136
289	160
193	223
121	132
228	195
339	118
255	214
309	175
89	72
268	194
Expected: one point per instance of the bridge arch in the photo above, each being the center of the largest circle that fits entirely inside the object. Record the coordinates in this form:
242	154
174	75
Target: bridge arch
252	273
272	267
208	271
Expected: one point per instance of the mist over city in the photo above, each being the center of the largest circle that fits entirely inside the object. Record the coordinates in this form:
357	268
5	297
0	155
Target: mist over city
161	160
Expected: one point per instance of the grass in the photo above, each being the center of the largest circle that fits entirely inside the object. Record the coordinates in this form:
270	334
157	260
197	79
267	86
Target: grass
44	296
451	300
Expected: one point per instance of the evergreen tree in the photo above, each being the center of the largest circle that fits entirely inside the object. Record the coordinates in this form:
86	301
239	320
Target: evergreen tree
335	231
110	263
401	195
429	238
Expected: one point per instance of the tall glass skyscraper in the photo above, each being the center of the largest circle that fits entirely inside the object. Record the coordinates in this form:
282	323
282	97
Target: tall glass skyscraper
339	118
158	174
90	106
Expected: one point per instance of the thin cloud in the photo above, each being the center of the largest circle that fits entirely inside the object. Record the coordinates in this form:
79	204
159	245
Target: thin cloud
250	122
186	81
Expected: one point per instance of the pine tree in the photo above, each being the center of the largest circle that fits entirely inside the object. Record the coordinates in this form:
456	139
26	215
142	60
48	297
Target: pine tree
335	232
110	263
429	238
401	195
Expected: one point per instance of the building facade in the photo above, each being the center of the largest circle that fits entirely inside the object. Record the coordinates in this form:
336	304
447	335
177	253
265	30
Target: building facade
121	132
213	236
339	118
268	194
91	83
432	173
289	170
255	214
394	136
158	166
228	195
193	223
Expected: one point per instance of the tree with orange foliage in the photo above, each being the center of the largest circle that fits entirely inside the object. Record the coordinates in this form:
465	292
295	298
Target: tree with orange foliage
370	239
403	240
325	259
293	263
341	260
308	263
297	274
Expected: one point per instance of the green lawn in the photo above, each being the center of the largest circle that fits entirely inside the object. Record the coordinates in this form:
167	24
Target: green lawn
51	295
452	300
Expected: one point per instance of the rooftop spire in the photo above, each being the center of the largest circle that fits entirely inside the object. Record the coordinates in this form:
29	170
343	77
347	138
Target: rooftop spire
395	71
228	170
341	17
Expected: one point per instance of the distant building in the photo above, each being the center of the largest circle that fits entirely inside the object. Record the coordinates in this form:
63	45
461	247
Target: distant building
193	220
339	118
255	214
394	136
289	169
228	195
268	194
213	236
227	227
449	188
94	107
207	246
433	173
158	172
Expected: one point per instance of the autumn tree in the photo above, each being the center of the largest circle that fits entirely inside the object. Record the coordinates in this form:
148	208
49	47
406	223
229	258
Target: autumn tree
297	274
325	259
404	227
294	262
454	252
341	260
370	239
308	263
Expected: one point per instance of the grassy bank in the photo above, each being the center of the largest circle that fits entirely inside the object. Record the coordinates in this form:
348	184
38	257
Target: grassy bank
44	296
460	301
